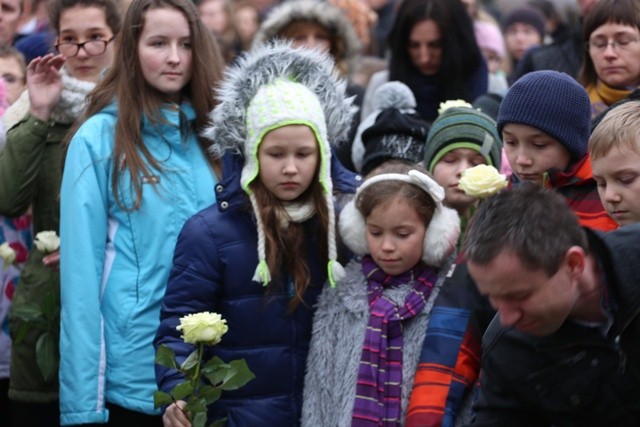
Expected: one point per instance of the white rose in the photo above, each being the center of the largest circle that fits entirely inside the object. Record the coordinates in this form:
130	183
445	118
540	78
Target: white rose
7	254
482	181
203	327
47	241
453	103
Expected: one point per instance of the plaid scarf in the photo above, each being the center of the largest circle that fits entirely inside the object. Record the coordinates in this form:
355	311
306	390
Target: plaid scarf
379	383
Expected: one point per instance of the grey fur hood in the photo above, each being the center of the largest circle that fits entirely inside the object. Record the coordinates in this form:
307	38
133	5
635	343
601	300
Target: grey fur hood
262	65
345	45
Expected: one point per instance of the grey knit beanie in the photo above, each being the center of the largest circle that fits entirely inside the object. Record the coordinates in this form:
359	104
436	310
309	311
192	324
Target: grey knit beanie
552	102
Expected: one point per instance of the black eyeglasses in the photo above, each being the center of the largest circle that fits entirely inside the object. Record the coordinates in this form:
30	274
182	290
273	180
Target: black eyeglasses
92	47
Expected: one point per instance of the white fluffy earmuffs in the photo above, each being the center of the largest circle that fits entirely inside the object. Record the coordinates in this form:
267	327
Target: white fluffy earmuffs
442	233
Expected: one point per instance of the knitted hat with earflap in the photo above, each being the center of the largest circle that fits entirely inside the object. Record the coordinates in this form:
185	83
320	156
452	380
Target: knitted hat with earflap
271	86
552	102
463	127
442	232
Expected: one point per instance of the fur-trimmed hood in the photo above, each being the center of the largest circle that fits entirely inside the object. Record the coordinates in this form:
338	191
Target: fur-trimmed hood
345	45
263	65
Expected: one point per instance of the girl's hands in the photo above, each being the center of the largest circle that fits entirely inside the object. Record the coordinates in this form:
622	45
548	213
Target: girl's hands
174	416
44	83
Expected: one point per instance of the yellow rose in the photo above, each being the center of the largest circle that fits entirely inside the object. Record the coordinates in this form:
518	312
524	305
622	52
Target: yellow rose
202	327
7	254
453	103
482	181
47	241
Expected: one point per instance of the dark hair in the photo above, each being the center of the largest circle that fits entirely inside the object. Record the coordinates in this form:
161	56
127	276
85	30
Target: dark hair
624	12
136	98
534	223
111	11
384	191
461	55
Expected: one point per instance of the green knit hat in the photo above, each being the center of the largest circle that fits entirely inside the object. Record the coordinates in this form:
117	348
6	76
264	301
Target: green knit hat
463	127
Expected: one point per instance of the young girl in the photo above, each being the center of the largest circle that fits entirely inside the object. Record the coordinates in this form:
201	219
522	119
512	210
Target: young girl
261	255
368	330
135	171
30	174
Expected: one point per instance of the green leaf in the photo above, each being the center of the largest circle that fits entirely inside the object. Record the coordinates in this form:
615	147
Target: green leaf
51	304
240	374
190	361
47	355
199	419
165	356
160	398
182	390
27	312
213	365
195	405
218	423
210	394
22	331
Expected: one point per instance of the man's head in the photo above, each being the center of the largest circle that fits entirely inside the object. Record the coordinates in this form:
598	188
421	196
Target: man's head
527	253
10	11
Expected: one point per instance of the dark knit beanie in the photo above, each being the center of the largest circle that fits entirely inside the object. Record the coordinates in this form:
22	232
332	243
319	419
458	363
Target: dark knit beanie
552	102
463	127
394	135
526	15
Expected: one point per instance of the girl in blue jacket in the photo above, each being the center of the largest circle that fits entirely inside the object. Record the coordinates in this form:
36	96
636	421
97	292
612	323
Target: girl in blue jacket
261	254
135	171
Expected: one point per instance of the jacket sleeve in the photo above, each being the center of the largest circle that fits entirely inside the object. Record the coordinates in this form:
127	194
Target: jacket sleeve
193	287
20	161
450	360
83	237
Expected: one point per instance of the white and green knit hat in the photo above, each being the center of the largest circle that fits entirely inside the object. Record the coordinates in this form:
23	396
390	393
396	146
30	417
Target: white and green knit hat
281	103
270	86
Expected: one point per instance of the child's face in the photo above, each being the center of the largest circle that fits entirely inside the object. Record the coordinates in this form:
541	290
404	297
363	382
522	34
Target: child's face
13	75
532	152
447	173
80	24
165	51
395	236
618	176
519	38
288	157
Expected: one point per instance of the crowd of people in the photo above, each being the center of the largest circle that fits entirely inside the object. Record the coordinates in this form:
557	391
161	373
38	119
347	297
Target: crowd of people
296	166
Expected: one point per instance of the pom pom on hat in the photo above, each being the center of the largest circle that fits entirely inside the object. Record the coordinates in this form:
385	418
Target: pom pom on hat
552	102
463	127
393	131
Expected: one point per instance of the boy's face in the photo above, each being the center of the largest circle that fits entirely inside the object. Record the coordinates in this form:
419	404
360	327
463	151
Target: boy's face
532	152
447	173
617	174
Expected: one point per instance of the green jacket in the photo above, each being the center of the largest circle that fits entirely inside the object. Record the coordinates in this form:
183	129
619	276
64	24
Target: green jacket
30	176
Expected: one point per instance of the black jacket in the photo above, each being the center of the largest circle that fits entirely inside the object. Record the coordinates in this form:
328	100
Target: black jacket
576	376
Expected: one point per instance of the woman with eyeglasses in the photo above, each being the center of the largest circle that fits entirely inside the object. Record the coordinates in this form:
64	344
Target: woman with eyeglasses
611	69
30	175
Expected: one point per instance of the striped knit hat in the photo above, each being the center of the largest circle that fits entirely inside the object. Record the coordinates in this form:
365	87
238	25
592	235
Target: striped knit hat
463	127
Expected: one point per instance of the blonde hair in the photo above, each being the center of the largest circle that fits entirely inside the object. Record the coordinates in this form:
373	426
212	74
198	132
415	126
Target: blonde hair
620	127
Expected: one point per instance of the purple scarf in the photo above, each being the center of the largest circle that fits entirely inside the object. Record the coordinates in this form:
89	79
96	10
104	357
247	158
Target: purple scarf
379	384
